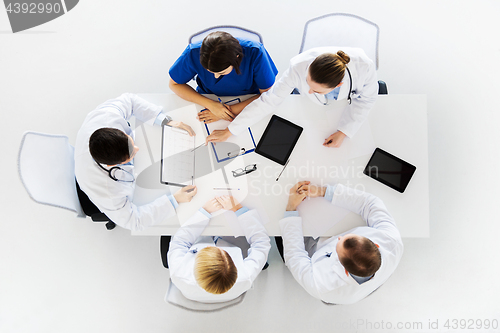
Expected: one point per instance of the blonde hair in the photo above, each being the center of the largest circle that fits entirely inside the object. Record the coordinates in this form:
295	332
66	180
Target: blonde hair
328	69
214	270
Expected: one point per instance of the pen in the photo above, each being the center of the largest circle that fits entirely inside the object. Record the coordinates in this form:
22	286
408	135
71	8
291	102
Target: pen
225	188
198	146
192	181
282	170
191	189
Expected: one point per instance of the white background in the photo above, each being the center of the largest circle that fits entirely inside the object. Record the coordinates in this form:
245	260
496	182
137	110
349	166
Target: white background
63	274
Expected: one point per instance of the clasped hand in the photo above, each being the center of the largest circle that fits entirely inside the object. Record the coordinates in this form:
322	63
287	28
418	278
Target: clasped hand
300	191
223	202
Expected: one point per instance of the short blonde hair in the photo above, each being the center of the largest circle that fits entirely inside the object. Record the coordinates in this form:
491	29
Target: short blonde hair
214	270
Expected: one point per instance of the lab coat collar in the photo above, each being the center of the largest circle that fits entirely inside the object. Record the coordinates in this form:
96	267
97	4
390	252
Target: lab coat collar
332	274
344	89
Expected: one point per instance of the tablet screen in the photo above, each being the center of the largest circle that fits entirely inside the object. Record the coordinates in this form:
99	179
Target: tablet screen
278	140
389	170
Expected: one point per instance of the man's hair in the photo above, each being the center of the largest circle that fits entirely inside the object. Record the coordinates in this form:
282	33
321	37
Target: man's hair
362	256
220	50
214	270
109	146
329	69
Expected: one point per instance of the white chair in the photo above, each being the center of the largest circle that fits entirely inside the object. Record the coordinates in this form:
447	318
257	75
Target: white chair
175	297
339	29
47	169
231	29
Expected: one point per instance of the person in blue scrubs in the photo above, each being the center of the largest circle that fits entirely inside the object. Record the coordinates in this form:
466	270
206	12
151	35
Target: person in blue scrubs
223	66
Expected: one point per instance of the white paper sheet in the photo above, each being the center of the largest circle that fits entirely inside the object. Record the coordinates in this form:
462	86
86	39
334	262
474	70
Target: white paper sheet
178	156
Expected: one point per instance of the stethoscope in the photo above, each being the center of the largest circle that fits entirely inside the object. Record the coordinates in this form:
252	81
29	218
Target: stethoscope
349	99
111	173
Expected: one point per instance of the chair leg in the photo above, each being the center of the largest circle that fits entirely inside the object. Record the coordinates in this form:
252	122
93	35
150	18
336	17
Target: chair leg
382	88
110	225
164	246
279	245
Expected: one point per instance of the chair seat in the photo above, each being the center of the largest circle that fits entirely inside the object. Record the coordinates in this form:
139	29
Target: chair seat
175	297
47	170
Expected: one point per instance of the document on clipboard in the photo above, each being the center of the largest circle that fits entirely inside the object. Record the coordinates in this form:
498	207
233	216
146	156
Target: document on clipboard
177	157
236	145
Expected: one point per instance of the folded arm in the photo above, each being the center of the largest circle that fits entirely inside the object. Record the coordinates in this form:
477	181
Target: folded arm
185	237
133	217
258	239
296	257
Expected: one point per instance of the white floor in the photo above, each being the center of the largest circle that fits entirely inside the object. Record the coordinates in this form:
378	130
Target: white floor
63	274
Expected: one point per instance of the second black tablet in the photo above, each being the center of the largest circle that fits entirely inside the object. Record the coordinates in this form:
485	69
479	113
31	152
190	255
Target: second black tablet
389	170
278	140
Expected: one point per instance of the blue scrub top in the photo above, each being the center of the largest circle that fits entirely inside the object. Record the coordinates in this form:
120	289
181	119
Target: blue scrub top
257	71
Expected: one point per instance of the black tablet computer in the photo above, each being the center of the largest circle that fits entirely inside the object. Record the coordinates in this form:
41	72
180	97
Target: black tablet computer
389	170
278	140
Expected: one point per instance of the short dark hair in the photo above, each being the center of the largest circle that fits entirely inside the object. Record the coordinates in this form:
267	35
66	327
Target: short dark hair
362	256
219	50
109	146
329	69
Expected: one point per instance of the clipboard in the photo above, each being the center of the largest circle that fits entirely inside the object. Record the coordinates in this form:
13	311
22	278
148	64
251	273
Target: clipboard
235	146
177	157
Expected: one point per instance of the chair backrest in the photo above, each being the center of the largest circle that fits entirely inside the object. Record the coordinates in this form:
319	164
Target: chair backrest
47	169
339	29
175	297
231	29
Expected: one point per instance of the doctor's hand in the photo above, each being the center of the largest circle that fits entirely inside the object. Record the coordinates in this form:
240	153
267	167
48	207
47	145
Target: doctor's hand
212	206
185	194
218	136
221	111
313	191
182	126
297	194
229	203
334	140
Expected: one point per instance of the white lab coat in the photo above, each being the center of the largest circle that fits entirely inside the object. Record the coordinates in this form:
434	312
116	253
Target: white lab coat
364	90
187	242
114	198
323	276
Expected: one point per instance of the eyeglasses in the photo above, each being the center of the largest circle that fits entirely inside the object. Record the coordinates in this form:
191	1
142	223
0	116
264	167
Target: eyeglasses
248	169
